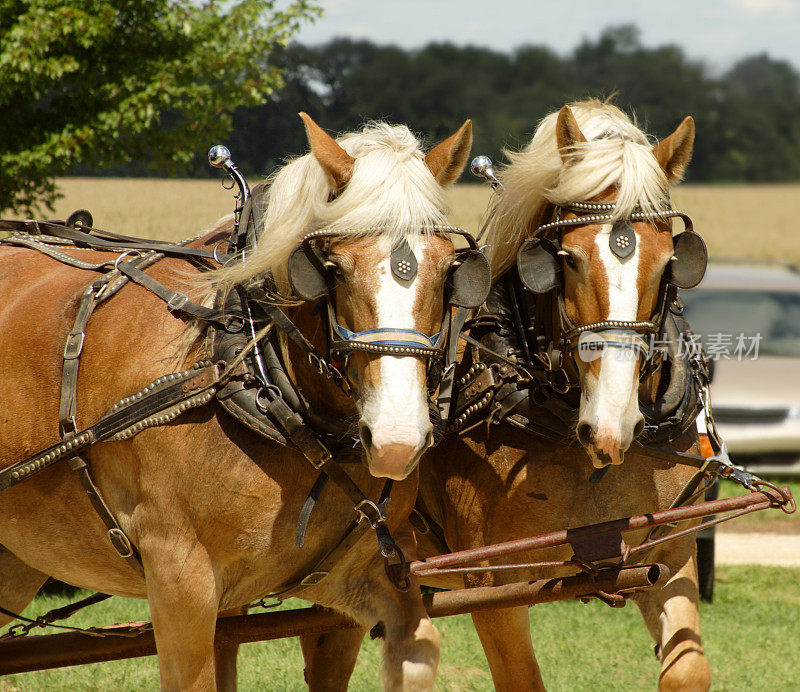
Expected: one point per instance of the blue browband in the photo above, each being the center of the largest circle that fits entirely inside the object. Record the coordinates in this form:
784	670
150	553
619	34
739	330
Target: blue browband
388	336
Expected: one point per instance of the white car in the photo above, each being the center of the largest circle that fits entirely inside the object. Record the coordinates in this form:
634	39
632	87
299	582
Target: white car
748	319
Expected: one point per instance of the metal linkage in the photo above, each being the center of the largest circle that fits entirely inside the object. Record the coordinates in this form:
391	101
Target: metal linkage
603	541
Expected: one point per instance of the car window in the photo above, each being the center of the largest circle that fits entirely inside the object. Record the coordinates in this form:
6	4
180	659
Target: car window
774	316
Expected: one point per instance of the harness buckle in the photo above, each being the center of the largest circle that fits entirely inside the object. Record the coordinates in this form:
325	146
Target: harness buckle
69	427
323	459
373	512
120	542
177	301
74	345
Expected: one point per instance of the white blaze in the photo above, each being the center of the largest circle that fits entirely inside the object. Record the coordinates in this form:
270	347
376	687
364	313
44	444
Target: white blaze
612	400
396	410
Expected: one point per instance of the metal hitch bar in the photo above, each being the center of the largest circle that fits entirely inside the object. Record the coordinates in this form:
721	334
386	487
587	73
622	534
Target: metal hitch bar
41	652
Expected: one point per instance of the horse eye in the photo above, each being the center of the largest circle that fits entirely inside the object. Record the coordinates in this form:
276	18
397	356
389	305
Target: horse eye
569	260
335	269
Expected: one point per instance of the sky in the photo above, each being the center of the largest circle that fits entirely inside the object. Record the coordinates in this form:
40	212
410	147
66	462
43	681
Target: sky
716	32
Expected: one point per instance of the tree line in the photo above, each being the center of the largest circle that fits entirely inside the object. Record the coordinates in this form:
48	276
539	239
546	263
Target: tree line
748	118
135	87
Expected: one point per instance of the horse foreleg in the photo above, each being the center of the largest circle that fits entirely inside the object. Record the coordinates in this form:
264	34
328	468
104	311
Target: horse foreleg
18	584
673	618
225	658
411	642
506	639
183	601
330	658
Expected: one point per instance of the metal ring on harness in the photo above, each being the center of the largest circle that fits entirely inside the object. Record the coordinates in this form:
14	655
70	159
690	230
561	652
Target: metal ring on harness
378	512
214	251
264	407
135	254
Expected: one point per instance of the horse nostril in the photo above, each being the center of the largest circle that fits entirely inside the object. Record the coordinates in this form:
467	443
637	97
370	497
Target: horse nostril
585	434
637	429
365	434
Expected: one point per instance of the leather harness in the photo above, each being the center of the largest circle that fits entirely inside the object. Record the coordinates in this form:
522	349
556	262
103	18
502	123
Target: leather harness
243	371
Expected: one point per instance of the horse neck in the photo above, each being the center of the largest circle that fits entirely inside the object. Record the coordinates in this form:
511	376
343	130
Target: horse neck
324	396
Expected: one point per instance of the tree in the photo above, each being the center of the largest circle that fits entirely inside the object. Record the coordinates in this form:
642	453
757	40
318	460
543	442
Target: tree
760	127
102	82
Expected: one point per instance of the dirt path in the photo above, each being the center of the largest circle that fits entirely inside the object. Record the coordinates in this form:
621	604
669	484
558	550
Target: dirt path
758	549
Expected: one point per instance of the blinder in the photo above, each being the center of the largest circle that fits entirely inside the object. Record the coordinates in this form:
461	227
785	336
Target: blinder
538	265
469	280
308	276
690	259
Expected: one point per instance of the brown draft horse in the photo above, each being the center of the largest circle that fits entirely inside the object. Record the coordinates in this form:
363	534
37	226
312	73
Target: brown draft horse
211	506
499	484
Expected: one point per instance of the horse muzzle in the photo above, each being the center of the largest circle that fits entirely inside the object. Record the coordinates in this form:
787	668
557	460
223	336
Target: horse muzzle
394	453
607	448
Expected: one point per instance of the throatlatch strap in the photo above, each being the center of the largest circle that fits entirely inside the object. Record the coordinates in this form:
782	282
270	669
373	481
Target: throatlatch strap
446	388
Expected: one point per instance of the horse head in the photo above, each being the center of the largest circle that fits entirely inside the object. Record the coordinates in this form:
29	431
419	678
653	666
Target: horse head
356	229
600	246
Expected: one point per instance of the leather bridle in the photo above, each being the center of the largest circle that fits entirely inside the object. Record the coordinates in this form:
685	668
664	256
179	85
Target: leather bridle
564	337
435	348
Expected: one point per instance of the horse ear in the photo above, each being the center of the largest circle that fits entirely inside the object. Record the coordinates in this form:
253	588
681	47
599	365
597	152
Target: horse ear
568	134
673	153
335	161
448	158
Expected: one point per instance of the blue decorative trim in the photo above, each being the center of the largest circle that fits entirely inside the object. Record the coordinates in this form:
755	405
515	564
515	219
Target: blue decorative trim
354	336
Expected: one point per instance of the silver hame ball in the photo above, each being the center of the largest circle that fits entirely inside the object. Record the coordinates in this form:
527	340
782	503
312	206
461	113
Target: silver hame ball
219	155
482	166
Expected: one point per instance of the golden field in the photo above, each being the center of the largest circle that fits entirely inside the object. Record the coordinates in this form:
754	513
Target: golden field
737	221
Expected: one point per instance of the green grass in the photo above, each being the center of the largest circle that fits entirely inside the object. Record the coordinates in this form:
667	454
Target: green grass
767	520
750	633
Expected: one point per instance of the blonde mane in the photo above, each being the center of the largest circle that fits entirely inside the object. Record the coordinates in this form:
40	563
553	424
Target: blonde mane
391	193
616	154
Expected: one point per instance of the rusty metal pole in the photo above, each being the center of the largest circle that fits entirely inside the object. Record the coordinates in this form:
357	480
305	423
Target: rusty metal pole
74	648
757	500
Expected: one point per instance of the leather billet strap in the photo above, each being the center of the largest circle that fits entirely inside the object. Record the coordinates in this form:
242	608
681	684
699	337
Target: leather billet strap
97	239
279	317
188	386
118	538
95	293
445	398
98	291
375	515
176	301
